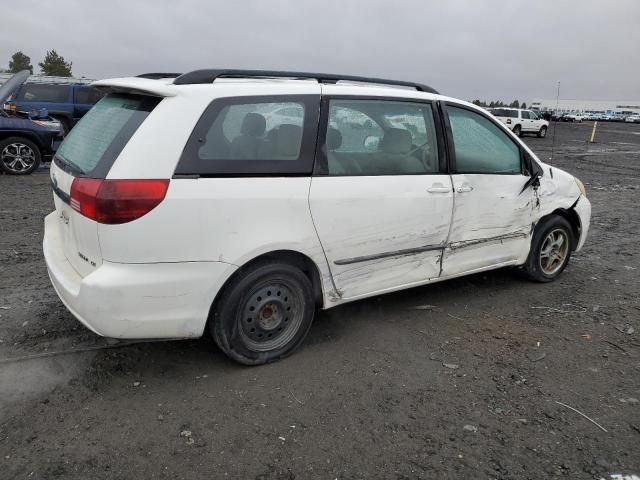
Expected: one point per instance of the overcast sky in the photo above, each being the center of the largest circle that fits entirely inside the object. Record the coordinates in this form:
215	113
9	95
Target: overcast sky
487	49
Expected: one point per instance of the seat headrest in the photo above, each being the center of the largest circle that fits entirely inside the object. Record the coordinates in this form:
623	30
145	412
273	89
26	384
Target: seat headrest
288	140
334	138
253	124
396	140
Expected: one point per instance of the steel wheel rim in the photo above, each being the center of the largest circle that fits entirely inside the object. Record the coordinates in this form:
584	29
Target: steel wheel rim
271	316
553	253
18	157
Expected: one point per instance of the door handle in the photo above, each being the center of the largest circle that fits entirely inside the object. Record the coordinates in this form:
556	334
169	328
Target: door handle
438	189
464	188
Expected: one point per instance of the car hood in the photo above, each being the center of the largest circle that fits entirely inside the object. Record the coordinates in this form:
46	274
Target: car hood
9	87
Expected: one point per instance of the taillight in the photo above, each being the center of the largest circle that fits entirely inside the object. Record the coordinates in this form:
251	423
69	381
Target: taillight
508	121
116	201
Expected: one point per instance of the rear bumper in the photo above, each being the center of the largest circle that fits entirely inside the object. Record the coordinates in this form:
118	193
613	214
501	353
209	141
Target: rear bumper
159	300
583	209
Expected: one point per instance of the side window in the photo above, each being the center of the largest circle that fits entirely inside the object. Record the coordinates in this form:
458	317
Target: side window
253	135
255	131
88	95
380	137
533	116
480	145
40	92
526	115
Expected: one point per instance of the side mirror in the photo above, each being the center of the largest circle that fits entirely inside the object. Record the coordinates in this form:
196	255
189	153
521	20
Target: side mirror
370	143
534	170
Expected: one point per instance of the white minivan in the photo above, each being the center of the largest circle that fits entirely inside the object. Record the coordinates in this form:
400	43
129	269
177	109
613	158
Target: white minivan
239	202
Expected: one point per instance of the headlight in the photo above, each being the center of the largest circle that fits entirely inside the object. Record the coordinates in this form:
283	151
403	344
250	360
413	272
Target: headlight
581	187
48	124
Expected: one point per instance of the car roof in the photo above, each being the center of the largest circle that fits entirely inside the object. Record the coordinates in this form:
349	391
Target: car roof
170	84
165	86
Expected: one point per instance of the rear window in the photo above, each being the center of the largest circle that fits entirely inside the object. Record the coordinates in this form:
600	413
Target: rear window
95	142
44	93
501	112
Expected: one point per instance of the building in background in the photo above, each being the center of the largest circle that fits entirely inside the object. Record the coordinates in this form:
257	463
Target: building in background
626	107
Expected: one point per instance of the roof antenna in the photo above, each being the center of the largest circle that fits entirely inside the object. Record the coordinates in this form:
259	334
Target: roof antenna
553	136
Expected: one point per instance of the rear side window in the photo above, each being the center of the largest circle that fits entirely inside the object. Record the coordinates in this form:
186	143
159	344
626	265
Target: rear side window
255	131
253	136
94	143
481	146
88	95
501	112
38	92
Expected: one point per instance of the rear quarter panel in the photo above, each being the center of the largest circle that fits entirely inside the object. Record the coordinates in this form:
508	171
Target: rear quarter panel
231	220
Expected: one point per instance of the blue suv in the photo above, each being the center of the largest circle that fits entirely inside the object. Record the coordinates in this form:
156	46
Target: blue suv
67	103
26	138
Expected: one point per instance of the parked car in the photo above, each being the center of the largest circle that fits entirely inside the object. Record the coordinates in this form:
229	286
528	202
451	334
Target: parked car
635	118
521	121
26	139
573	117
243	231
65	102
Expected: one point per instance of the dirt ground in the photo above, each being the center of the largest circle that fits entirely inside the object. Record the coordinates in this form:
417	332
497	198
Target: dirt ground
465	389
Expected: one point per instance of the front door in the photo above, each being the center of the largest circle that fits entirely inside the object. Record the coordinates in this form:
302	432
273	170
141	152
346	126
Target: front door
492	215
381	203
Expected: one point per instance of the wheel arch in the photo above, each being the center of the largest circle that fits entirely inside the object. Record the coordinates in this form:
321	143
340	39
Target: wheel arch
572	217
291	257
4	134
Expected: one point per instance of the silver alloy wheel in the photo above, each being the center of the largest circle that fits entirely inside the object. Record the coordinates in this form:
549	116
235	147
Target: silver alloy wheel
553	253
17	157
543	132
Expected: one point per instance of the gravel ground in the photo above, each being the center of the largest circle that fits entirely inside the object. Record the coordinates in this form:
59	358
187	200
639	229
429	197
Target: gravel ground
467	388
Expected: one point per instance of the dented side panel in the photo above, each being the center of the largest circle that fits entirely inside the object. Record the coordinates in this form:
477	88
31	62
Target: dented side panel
559	190
381	232
491	222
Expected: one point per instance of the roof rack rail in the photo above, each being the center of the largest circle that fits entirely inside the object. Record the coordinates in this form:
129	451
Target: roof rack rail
210	75
157	75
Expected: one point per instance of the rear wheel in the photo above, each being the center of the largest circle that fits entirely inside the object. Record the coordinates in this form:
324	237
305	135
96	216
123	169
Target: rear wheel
517	130
542	132
19	156
550	249
264	313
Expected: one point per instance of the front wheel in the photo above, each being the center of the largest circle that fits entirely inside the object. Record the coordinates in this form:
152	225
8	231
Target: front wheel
19	156
263	314
542	132
550	249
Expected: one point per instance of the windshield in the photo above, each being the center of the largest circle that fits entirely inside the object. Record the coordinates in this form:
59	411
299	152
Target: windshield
94	143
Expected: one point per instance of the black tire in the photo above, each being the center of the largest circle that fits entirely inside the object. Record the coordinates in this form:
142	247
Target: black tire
517	130
10	147
542	132
263	314
533	268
